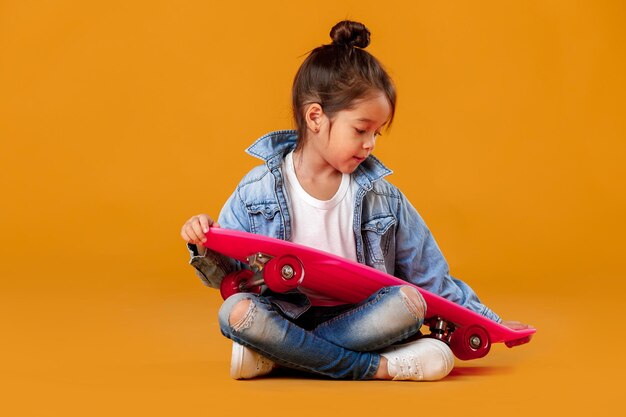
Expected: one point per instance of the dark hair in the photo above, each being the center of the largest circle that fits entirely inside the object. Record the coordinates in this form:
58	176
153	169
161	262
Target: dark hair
338	74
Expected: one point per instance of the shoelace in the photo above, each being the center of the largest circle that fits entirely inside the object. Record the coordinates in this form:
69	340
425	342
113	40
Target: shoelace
408	368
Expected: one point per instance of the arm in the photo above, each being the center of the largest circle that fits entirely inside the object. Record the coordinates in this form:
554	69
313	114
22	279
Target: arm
211	266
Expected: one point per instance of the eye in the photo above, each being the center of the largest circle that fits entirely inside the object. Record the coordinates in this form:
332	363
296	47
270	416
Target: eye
360	131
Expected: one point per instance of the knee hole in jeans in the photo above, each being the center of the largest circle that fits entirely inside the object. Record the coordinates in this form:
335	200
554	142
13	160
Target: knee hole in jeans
241	315
413	301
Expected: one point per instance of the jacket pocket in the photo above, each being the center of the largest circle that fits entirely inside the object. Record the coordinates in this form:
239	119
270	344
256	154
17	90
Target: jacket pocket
378	236
263	218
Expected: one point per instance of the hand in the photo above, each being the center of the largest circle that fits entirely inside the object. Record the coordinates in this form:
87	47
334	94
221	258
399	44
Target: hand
517	325
194	230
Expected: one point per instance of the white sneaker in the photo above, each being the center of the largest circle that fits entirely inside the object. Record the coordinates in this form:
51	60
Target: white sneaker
425	359
246	363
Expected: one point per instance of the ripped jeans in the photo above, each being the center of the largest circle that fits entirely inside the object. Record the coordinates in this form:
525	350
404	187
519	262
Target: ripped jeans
342	347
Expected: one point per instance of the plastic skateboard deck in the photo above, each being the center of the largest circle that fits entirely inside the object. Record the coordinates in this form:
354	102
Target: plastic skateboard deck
285	266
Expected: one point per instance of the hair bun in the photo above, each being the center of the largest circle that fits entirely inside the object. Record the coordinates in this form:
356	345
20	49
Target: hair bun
350	33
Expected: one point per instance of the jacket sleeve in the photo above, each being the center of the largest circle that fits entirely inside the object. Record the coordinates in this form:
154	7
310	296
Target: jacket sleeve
420	261
212	267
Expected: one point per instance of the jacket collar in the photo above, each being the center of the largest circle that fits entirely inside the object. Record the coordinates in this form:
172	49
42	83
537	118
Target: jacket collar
272	148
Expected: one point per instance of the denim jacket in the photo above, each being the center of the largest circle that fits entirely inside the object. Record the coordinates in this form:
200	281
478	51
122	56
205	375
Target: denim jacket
389	233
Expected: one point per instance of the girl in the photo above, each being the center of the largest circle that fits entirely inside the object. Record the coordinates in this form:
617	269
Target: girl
320	186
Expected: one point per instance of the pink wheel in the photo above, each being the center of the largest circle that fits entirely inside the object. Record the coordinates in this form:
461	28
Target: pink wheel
284	273
237	282
470	342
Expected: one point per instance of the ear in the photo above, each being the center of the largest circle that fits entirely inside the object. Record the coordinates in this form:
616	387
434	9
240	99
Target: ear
314	117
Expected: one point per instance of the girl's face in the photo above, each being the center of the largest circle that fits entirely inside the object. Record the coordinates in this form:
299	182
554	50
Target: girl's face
351	134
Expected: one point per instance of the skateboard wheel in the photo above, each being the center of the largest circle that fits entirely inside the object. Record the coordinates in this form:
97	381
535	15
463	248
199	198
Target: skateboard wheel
470	342
237	282
283	273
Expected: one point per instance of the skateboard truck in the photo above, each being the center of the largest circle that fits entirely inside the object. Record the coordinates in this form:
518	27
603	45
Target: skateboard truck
470	342
440	329
244	280
258	261
283	273
288	267
287	270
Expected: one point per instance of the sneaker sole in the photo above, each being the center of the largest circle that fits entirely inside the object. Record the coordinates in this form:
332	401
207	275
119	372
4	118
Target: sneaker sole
236	361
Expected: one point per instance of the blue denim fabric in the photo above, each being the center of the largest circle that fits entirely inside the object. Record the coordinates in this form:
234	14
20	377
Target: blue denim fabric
389	233
342	347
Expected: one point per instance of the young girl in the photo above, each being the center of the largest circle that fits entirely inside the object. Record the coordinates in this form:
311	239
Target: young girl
320	186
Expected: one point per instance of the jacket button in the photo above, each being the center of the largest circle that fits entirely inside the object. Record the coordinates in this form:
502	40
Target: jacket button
379	225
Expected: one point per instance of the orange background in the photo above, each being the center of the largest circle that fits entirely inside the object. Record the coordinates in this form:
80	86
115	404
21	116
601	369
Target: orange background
119	120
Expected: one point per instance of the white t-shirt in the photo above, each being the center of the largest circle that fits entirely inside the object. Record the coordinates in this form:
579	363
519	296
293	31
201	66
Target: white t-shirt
322	224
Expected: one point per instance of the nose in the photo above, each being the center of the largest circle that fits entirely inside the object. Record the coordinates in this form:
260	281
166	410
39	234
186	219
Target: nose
369	143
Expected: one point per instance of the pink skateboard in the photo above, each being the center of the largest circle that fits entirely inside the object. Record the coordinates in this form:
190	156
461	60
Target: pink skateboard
285	266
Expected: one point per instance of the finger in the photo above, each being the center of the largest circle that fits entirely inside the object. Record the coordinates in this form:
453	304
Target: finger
515	325
191	232
186	237
197	229
216	224
205	223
